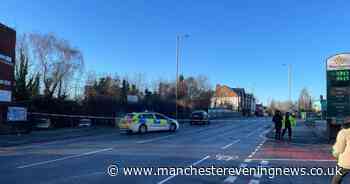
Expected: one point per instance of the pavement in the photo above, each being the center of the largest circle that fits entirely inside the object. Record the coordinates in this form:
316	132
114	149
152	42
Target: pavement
229	143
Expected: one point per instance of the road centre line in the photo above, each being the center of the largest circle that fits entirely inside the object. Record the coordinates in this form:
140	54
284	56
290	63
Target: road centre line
167	136
185	132
194	164
253	132
229	145
63	158
200	161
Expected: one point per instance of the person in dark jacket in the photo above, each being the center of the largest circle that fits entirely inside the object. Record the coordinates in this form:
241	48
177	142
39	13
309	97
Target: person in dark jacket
277	119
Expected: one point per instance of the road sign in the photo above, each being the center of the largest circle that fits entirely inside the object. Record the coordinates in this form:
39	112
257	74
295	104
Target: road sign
132	99
16	114
5	96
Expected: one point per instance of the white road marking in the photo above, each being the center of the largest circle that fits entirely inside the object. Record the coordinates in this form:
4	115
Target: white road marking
229	145
226	157
63	158
230	179
200	161
264	162
184	133
262	135
166	179
247	160
254	182
253	132
194	164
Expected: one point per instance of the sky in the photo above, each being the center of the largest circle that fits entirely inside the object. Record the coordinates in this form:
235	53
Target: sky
240	43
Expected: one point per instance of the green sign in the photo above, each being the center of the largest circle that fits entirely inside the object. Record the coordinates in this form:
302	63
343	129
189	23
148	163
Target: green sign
338	86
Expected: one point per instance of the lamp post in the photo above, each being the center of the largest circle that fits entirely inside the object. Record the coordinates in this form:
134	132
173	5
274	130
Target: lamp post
178	40
289	82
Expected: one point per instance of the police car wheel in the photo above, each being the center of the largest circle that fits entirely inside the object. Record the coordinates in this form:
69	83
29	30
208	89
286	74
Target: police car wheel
142	129
172	127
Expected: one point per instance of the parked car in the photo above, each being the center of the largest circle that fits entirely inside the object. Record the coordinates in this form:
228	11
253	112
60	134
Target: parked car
200	117
85	123
42	123
147	122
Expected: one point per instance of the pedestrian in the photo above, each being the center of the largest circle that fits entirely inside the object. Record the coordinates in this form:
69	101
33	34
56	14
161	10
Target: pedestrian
341	151
277	119
287	123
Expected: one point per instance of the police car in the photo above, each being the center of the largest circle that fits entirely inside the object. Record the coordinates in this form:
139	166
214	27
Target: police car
147	122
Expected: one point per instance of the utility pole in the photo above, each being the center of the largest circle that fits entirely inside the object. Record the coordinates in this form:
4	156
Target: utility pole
290	82
177	71
178	40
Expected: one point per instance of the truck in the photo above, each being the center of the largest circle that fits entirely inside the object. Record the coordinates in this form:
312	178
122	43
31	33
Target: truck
338	92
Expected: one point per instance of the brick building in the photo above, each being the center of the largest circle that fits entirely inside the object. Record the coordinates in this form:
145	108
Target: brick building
235	99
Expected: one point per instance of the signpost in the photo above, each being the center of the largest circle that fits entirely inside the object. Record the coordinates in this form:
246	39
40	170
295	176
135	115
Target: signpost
338	92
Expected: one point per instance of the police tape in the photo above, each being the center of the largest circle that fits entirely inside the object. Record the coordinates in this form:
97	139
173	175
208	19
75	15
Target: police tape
115	118
74	116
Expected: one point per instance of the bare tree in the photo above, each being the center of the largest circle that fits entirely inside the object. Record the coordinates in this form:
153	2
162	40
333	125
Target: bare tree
305	101
58	62
27	81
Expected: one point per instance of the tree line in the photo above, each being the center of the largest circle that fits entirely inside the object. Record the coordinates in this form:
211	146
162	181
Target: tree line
48	69
303	104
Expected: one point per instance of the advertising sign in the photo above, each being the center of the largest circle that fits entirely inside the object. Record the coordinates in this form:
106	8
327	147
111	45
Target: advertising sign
339	62
5	96
132	98
338	86
17	114
7	62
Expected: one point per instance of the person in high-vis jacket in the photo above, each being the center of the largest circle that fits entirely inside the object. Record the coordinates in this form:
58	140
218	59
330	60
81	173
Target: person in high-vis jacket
287	124
341	151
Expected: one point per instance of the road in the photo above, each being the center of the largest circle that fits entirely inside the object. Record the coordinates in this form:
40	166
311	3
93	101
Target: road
230	143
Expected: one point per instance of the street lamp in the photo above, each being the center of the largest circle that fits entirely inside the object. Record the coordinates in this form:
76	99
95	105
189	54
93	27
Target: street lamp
178	40
289	82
